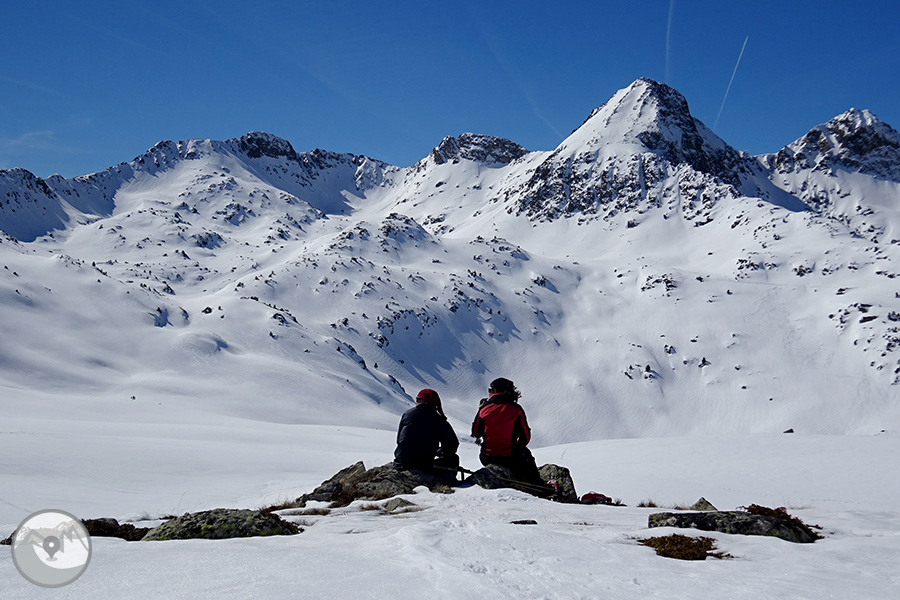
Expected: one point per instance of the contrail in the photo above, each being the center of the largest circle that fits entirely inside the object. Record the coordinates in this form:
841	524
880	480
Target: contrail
730	82
669	36
497	51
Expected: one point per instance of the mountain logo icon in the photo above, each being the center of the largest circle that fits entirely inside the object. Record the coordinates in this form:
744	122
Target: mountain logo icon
51	548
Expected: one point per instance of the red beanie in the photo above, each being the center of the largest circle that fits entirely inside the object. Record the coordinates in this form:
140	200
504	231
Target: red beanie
429	397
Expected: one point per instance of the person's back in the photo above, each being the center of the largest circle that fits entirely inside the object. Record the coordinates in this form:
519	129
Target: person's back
502	424
424	434
503	432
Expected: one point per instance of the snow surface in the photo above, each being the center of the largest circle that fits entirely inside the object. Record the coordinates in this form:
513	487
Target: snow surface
230	323
464	545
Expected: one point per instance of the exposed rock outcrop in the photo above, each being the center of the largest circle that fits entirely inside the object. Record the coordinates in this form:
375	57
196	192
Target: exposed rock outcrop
112	528
642	150
703	505
853	141
737	522
559	485
222	523
561	479
357	483
485	149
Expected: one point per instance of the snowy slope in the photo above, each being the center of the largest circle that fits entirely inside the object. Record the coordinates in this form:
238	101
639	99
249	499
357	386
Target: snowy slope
644	277
230	322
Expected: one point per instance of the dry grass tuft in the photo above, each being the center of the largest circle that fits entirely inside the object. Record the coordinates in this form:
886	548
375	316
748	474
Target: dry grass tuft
684	547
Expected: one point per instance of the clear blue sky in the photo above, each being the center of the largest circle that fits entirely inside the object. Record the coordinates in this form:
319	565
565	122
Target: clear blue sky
84	86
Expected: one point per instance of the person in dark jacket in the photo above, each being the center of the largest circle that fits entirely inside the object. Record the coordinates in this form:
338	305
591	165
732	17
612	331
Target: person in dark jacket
501	428
425	439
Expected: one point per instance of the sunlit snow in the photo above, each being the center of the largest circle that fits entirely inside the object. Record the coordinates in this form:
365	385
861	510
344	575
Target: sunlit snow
229	323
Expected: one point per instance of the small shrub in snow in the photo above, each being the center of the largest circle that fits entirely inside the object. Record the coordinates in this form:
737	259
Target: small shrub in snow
684	547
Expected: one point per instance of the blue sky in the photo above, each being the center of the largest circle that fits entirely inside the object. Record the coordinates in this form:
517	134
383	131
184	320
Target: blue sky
85	87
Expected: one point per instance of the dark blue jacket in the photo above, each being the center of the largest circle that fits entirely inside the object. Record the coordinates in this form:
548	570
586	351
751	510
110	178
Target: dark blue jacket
423	434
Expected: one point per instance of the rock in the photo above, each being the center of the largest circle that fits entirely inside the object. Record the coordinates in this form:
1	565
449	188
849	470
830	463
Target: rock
481	148
386	482
222	523
737	522
561	479
704	505
395	503
491	477
562	488
377	483
112	528
339	485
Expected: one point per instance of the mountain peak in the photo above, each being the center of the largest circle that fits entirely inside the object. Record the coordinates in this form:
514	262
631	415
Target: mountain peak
257	144
861	133
855	140
476	147
642	104
647	90
617	160
649	116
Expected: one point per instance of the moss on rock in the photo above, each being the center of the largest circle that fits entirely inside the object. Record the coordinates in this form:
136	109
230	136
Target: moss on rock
222	523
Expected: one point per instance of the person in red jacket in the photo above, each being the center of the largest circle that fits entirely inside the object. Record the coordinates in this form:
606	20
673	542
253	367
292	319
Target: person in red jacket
501	428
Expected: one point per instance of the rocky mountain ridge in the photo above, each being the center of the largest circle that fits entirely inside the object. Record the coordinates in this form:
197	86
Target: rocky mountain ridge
853	141
663	273
639	150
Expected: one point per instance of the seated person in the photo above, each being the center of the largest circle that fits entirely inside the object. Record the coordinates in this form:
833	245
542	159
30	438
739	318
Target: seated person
502	428
425	439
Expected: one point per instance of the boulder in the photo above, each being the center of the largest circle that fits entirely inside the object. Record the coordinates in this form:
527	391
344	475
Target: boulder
703	505
559	486
340	483
397	504
357	483
221	523
561	479
737	522
492	477
106	527
386	482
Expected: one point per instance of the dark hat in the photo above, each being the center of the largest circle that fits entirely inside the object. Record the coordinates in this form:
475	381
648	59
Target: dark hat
505	388
503	385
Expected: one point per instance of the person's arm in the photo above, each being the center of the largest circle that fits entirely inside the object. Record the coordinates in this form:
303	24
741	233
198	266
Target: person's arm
521	431
478	426
449	441
400	427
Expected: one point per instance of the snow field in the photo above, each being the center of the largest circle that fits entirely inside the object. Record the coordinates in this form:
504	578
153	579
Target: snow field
464	545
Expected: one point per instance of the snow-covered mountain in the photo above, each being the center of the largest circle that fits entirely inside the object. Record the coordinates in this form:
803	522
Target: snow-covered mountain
642	279
847	169
641	150
227	323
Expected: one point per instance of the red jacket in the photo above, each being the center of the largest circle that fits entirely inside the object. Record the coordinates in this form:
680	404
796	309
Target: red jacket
503	426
